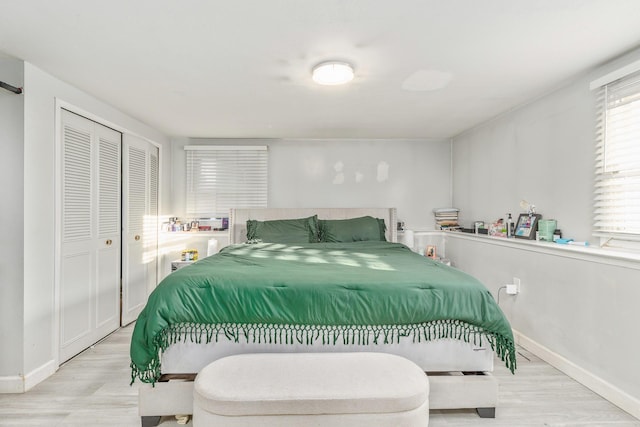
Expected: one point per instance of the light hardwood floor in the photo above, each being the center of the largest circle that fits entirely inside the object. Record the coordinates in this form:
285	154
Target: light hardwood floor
93	390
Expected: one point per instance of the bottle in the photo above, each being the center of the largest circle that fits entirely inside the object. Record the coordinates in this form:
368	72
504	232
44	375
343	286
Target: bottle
557	234
509	226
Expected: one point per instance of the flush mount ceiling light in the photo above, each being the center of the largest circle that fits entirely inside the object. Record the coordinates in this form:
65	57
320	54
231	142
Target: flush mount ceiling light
332	73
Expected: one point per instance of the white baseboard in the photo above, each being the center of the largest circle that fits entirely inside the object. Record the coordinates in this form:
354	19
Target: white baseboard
12	384
39	374
21	384
607	390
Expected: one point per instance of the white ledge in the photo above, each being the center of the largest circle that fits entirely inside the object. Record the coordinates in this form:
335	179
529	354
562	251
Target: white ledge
587	253
195	233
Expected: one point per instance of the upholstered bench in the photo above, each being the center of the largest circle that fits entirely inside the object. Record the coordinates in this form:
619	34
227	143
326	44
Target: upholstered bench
311	389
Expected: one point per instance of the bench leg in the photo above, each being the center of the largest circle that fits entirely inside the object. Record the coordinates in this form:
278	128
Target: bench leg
150	421
486	412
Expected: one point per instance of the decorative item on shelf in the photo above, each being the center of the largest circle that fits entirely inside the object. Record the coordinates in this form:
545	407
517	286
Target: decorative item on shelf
510	226
446	218
572	242
478	227
498	228
527	226
546	228
175	224
196	224
213	224
189	255
430	251
530	208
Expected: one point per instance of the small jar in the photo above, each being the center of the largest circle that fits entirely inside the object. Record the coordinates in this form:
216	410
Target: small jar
557	234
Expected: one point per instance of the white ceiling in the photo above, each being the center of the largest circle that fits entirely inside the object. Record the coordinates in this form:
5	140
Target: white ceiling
241	68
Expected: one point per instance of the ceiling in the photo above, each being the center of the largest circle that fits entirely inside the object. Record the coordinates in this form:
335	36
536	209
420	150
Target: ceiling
241	68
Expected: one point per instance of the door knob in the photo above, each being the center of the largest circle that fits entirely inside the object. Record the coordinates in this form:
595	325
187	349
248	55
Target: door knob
109	242
137	237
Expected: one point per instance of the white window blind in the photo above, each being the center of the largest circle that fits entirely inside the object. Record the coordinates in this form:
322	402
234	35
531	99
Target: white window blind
223	177
617	186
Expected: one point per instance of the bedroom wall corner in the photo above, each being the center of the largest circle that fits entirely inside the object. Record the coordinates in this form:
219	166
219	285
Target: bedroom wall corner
11	216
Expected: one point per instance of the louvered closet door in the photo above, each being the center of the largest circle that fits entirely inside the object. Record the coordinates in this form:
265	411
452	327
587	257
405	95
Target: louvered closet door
90	258
140	225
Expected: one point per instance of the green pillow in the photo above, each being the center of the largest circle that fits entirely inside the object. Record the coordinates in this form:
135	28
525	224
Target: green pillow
352	230
302	230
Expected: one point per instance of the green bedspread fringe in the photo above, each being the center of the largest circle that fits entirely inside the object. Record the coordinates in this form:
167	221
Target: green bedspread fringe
328	335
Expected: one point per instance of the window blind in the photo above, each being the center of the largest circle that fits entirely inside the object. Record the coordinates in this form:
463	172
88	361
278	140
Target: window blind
223	177
617	183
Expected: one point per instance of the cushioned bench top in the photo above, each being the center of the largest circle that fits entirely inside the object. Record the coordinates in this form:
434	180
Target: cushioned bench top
310	383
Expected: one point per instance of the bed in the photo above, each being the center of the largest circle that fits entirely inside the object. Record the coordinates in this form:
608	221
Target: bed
309	280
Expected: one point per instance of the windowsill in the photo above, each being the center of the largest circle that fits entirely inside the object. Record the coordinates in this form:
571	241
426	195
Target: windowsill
591	253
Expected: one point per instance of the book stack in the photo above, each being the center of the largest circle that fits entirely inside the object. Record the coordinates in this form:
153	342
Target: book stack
446	218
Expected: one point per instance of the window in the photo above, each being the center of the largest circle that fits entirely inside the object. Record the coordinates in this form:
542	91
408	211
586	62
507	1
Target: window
223	177
617	184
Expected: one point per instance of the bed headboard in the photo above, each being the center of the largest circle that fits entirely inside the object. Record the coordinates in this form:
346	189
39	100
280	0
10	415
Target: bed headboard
238	218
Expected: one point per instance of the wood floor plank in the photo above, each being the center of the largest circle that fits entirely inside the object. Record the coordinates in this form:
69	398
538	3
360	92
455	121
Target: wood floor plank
93	389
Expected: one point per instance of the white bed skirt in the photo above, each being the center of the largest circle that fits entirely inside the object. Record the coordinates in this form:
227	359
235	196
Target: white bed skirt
444	355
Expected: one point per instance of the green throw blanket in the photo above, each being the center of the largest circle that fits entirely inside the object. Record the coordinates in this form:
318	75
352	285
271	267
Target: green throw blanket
354	293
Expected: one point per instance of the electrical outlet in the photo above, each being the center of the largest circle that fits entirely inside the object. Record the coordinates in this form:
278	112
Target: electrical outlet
516	282
511	289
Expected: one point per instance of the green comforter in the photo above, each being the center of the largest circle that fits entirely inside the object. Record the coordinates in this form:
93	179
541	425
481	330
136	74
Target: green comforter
318	292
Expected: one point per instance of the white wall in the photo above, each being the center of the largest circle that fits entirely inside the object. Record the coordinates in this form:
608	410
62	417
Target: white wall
582	308
348	173
11	216
41	91
544	152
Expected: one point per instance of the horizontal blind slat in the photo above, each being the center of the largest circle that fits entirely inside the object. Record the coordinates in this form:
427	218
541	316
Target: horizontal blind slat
223	177
617	160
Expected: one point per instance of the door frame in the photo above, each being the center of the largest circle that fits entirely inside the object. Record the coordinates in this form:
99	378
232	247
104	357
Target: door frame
59	105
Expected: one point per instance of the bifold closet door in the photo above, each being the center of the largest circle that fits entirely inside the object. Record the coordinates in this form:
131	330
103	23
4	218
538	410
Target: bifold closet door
90	233
140	225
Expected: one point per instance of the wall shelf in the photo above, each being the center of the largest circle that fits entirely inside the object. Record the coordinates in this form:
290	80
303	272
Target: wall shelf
590	253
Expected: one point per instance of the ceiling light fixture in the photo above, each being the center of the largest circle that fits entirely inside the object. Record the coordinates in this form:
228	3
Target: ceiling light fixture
332	73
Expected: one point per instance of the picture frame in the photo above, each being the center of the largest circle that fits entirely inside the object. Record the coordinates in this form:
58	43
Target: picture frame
527	226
